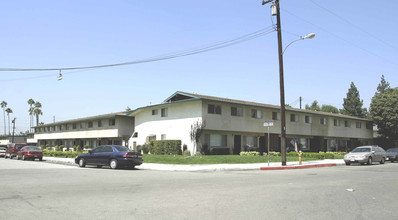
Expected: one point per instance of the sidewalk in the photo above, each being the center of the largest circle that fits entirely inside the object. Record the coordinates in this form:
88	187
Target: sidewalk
219	167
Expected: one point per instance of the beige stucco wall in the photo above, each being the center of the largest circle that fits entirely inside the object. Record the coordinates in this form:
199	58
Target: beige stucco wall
245	123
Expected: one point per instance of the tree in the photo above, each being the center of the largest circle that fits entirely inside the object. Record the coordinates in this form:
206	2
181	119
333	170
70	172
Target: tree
383	85
4	105
195	133
384	111
37	111
353	104
329	108
31	102
314	106
9	111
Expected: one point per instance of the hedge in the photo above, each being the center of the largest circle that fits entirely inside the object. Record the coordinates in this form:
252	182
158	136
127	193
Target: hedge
219	151
165	147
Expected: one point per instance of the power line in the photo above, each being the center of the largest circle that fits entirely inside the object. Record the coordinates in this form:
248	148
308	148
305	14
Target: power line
354	25
173	55
347	41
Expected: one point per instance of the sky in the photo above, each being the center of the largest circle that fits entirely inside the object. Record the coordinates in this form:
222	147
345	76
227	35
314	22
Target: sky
355	42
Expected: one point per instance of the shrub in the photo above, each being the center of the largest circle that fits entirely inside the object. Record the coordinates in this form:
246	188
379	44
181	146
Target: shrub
165	147
250	153
274	154
219	151
144	148
205	149
187	153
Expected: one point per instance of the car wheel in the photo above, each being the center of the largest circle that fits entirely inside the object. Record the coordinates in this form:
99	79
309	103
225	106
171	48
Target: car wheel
23	157
10	156
383	160
347	163
82	163
18	157
370	161
113	164
40	158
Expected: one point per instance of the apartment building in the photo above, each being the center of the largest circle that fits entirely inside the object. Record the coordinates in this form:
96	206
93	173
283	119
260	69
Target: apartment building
114	128
237	125
230	125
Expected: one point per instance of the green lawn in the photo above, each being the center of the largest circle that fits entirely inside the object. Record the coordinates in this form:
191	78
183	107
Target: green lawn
214	159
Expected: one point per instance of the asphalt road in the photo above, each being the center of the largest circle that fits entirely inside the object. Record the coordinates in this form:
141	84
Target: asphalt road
39	190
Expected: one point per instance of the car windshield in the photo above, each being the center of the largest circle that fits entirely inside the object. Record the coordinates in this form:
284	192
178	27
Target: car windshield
393	150
361	149
33	148
122	149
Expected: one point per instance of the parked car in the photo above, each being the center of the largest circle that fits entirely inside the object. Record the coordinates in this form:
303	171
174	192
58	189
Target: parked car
30	152
392	154
3	151
365	154
114	156
13	149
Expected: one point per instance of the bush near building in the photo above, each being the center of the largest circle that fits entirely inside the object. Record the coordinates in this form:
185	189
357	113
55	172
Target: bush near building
165	147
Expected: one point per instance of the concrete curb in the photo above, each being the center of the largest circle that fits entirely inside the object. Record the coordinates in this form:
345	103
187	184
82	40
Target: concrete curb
299	166
215	167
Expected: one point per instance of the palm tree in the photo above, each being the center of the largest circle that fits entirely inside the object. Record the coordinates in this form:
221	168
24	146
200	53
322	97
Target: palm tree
8	110
37	111
4	105
31	102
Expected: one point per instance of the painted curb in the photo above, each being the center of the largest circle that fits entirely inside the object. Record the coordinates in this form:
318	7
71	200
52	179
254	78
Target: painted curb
299	166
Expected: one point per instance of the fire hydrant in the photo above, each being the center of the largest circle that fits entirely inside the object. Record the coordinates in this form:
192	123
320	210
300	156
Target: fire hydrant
300	154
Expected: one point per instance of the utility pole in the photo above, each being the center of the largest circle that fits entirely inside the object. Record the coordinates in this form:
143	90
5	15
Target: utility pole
300	101
13	130
275	6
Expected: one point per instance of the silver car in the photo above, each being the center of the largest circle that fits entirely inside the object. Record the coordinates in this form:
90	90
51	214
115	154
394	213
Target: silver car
366	154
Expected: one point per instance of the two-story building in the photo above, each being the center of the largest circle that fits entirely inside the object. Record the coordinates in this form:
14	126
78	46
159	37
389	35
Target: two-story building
239	125
114	128
230	125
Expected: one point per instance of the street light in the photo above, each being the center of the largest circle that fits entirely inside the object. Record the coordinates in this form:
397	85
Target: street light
276	11
308	36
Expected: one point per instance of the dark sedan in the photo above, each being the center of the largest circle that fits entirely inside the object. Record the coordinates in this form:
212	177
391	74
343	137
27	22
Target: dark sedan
114	156
392	154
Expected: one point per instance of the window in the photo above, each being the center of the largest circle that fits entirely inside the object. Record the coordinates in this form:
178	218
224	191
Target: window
336	123
308	119
276	116
112	122
66	127
154	111
358	124
90	124
99	123
293	117
347	124
163	137
217	140
322	121
165	112
368	126
236	111
74	126
214	109
257	113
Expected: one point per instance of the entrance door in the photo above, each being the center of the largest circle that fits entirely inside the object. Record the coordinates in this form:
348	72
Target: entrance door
237	144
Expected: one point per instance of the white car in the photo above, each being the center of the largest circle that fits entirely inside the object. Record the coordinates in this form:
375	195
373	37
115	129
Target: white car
366	154
3	151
